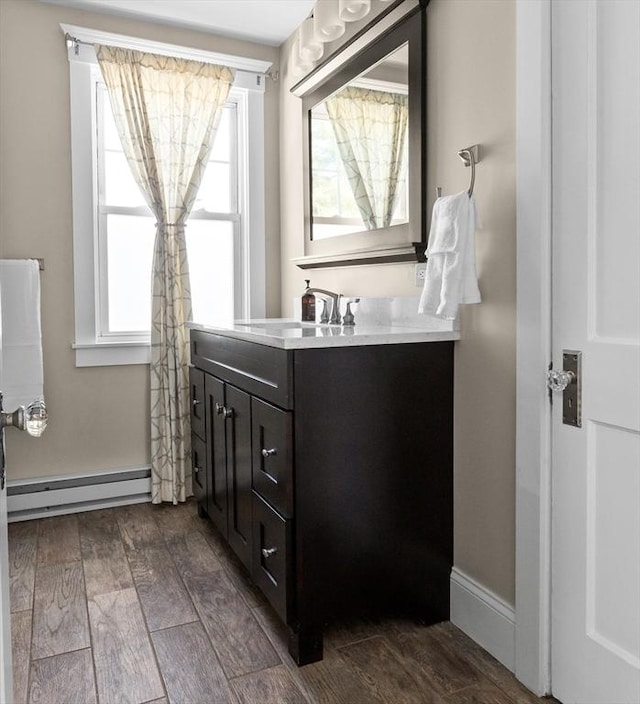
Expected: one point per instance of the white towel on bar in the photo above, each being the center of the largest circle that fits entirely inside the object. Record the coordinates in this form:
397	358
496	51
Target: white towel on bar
451	277
21	376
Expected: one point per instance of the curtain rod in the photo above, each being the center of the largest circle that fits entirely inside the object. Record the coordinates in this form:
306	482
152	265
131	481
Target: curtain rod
74	42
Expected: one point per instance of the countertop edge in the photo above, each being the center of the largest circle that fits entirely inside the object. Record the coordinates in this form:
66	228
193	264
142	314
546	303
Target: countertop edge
403	335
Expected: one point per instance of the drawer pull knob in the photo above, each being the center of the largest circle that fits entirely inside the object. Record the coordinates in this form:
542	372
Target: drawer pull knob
224	411
268	552
268	453
195	402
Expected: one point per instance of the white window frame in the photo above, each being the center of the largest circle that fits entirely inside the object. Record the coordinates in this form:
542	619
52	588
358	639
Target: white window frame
250	281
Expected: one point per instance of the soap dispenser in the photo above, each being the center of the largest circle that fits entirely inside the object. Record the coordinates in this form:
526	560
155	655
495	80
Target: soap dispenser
308	305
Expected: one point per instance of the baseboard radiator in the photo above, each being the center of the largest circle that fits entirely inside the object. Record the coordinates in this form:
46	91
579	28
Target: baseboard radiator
55	496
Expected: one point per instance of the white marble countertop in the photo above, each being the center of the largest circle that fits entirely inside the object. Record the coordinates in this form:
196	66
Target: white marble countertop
379	321
289	334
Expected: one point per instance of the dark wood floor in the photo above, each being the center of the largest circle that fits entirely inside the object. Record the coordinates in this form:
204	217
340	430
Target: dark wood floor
145	604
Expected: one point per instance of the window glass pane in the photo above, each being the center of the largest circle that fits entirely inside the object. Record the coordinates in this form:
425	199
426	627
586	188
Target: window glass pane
215	190
129	258
325	194
222	143
120	187
110	133
210	251
325	149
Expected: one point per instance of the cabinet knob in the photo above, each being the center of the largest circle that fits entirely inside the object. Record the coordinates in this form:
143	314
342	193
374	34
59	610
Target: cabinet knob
268	453
195	402
196	469
268	552
224	411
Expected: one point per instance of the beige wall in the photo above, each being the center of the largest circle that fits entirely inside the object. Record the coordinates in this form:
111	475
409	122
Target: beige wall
471	95
98	417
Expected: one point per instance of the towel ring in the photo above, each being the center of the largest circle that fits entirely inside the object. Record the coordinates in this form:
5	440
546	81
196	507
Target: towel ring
470	157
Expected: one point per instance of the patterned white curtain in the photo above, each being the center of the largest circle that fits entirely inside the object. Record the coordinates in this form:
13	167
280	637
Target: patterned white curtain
370	127
167	110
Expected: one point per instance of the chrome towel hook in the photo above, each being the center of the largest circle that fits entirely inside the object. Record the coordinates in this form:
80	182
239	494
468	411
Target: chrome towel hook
470	157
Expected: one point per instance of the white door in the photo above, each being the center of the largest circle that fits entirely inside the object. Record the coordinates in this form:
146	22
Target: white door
5	627
6	686
595	629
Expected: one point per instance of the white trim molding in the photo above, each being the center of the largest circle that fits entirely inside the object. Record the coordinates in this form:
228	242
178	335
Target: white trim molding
484	617
91	346
95	36
533	418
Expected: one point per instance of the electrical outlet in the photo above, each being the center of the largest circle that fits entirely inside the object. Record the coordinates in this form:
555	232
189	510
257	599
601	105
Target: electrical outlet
420	271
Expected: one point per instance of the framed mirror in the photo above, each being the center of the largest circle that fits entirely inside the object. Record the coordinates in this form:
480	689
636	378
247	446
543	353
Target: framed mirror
364	124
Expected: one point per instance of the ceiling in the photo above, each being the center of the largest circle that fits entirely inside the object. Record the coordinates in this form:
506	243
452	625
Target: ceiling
263	21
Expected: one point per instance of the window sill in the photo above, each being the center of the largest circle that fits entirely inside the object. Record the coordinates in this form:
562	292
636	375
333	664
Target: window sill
107	354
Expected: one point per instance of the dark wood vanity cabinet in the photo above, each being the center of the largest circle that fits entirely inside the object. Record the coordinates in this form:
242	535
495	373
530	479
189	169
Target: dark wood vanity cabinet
198	436
228	464
329	471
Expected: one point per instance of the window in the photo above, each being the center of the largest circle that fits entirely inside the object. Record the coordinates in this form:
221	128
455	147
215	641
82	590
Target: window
126	231
114	230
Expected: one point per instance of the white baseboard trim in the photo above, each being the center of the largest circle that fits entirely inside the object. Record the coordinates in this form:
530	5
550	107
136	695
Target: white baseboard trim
55	496
484	617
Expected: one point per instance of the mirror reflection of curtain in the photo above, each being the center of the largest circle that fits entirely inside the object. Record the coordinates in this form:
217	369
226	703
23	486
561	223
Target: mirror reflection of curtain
167	111
370	127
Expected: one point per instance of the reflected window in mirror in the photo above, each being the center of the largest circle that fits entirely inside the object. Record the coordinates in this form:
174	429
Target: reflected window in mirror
359	152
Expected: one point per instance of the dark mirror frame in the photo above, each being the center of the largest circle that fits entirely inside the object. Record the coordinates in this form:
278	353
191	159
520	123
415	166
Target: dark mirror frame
404	21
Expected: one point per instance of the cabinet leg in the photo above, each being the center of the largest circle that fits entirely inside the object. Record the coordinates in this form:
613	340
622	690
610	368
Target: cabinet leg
305	644
201	512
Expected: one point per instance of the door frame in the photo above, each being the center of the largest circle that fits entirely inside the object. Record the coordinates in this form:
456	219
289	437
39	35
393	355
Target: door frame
534	307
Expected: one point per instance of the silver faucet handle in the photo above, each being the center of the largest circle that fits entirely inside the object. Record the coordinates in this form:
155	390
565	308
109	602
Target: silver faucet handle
336	318
324	316
348	316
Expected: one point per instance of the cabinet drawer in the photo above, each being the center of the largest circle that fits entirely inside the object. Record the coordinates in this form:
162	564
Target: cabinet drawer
272	566
261	370
272	458
199	465
196	382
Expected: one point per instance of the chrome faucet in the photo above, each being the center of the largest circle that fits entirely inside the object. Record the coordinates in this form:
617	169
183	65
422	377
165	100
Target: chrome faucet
335	307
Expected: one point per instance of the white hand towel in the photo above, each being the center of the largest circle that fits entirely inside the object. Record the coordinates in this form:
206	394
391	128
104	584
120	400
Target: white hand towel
451	278
21	375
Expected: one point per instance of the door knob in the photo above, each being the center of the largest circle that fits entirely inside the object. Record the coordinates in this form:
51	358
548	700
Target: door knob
569	382
558	381
33	418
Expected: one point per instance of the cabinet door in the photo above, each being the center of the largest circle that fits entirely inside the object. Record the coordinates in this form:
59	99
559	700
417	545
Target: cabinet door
272	558
199	465
216	453
272	456
196	382
238	404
